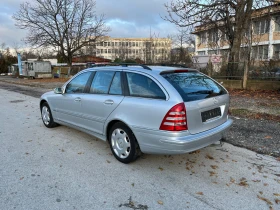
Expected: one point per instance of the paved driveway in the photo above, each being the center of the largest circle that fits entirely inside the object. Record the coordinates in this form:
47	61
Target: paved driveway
63	168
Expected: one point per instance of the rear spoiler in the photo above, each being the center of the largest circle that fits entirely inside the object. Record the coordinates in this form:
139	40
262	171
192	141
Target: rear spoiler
178	71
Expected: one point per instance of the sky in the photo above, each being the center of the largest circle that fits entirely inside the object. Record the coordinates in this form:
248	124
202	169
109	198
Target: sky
126	18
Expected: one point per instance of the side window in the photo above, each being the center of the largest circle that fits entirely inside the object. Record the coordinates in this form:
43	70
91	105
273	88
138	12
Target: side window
116	86
78	84
101	82
142	86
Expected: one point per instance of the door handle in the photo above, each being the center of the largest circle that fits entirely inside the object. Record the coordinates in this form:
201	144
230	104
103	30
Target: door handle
77	99
109	102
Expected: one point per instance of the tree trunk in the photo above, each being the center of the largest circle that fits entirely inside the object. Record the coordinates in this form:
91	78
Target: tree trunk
234	56
245	76
69	64
242	21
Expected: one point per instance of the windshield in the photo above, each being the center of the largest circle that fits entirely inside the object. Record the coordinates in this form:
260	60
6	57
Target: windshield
194	86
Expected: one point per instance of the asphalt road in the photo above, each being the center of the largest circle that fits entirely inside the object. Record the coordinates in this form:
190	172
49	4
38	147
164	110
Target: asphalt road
62	168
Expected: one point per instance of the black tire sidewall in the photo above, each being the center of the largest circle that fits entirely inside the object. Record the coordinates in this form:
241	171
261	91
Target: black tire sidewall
133	143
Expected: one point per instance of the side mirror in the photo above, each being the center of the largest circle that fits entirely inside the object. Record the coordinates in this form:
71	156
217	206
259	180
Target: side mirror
58	91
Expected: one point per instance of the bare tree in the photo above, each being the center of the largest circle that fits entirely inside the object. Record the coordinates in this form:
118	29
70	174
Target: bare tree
181	42
232	17
66	25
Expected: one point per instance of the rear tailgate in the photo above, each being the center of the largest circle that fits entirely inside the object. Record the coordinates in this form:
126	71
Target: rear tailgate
206	101
208	113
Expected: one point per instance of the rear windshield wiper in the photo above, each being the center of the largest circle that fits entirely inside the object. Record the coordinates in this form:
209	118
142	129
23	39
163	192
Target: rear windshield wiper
202	92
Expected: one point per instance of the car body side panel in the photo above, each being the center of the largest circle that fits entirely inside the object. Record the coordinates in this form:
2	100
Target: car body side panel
96	108
142	112
70	113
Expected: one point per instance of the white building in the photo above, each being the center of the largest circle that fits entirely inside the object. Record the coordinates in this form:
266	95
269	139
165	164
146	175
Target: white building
147	49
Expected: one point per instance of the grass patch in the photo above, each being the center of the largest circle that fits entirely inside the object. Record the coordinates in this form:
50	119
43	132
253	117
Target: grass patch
245	113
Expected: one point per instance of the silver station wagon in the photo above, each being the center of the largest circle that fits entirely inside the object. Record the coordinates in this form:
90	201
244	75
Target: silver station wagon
148	109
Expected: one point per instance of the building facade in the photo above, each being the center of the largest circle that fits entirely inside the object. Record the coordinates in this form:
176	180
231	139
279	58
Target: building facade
262	38
149	50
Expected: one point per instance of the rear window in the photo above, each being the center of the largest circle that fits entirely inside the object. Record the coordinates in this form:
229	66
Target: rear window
194	86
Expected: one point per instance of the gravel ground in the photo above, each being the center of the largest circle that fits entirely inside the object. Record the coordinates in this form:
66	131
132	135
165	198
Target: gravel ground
249	130
261	136
256	101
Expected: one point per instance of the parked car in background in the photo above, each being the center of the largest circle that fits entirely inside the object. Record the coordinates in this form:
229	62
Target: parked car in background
149	109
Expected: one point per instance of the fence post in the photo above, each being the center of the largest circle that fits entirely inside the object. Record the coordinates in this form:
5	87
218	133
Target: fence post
245	76
210	68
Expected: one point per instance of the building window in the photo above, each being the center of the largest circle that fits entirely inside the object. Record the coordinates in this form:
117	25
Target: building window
276	51
201	53
260	52
277	23
213	35
202	37
261	27
224	37
212	52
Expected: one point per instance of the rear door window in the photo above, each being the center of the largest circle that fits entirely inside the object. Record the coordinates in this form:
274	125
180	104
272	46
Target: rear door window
101	82
116	86
142	86
194	86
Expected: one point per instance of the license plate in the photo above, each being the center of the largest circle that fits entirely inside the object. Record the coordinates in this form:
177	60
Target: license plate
210	114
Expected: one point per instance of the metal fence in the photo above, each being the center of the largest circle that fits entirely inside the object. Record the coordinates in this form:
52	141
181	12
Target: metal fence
237	71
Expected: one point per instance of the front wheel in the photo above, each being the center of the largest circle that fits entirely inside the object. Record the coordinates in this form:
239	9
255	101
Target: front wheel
47	116
123	143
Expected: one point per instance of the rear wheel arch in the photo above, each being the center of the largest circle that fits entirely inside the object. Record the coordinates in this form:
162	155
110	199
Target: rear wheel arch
111	124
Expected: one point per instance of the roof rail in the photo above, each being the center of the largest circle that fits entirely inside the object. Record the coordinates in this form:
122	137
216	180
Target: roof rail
132	64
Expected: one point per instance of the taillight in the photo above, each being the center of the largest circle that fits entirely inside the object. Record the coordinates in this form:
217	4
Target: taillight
175	119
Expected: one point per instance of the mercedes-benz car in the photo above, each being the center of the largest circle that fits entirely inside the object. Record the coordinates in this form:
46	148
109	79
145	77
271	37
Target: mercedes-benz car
141	109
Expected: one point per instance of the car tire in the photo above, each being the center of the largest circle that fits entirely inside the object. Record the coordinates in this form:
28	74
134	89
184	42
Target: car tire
47	117
123	143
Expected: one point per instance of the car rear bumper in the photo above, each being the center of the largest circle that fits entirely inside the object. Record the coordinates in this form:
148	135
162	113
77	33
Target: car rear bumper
162	142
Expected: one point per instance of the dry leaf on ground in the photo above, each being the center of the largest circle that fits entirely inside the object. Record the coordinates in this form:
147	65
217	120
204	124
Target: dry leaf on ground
160	202
214	166
265	199
268	137
209	157
243	182
212	173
